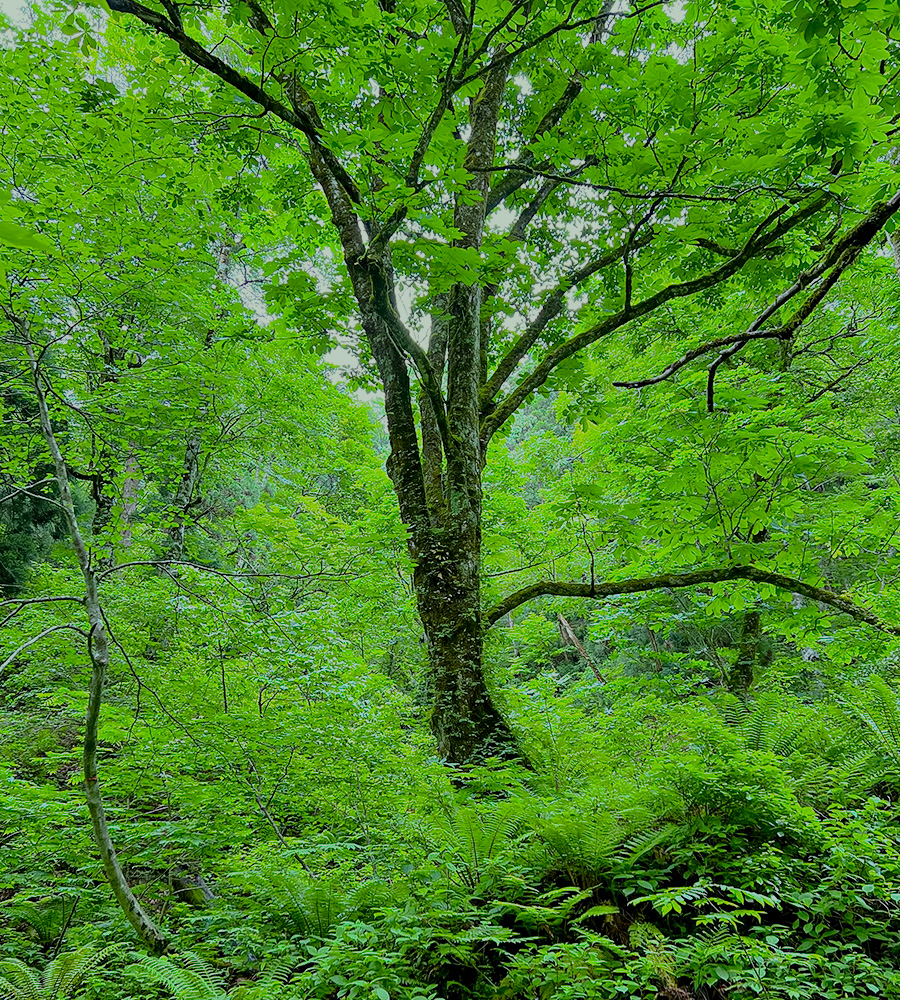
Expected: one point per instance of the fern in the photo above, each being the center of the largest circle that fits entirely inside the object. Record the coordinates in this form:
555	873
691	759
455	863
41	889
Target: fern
877	716
659	953
478	841
881	719
804	743
311	907
581	840
47	917
374	895
61	978
193	979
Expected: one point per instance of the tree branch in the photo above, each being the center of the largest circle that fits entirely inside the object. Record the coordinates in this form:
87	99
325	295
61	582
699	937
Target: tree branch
524	168
405	344
37	638
842	255
248	575
692	578
465	346
197	54
21	603
735	340
449	87
550	310
539	375
371	276
98	652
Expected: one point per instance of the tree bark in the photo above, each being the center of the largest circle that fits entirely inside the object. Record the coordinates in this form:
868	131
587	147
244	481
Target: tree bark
465	721
98	649
741	675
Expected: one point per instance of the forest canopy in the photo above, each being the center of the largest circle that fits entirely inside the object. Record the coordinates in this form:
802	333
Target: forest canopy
449	457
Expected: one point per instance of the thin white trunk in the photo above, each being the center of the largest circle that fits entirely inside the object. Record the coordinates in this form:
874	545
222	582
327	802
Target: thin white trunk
98	650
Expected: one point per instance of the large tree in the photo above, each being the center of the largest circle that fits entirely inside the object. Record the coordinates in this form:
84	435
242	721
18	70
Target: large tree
513	183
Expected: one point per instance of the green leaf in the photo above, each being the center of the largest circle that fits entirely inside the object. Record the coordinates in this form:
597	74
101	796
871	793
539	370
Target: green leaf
24	239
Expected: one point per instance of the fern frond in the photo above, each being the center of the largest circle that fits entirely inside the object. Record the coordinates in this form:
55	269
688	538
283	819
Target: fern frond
45	917
477	839
196	982
60	979
659	952
881	718
640	844
18	981
272	984
375	895
312	907
583	846
68	971
279	971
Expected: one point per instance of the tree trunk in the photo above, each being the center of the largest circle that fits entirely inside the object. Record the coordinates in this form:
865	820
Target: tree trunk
465	721
741	676
190	473
98	648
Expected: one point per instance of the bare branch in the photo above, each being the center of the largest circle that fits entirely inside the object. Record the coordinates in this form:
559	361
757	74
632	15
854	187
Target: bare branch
558	29
249	575
834	383
16	490
38	600
691	578
504	189
37	638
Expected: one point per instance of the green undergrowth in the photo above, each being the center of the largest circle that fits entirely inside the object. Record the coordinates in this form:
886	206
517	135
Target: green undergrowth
712	850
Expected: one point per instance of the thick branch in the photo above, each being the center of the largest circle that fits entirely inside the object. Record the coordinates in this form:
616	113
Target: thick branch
432	441
19	604
404	342
692	578
550	310
757	243
194	51
449	86
840	257
464	344
734	340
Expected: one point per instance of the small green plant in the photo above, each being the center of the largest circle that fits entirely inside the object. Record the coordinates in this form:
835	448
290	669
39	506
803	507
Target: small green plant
60	979
191	978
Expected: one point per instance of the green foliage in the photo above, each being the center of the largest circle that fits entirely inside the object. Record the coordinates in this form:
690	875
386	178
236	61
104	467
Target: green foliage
61	978
269	780
189	977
